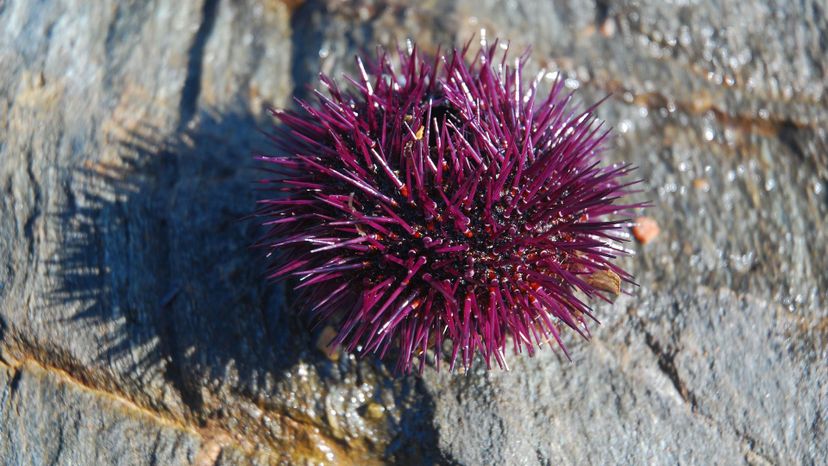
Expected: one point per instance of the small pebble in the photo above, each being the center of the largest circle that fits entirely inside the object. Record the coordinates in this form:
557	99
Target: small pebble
374	411
701	184
607	27
39	80
645	230
325	337
605	280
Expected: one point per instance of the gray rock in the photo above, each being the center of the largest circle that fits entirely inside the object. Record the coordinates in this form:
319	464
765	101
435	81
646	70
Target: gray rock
48	418
695	377
135	327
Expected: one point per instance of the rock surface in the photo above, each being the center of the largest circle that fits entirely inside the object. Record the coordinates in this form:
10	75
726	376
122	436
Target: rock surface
135	327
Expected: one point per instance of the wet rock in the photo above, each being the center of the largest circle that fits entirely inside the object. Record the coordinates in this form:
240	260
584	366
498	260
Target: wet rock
48	418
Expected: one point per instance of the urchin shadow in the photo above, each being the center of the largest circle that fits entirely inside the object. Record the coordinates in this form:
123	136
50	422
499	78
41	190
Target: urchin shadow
156	257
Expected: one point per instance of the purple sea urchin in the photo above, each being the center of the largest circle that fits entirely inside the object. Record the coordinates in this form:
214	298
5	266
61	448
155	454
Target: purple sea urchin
447	202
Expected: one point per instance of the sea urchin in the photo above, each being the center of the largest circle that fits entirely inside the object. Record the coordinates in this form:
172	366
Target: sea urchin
447	203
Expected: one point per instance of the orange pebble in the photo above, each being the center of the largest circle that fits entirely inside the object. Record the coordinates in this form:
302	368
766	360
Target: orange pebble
701	184
645	230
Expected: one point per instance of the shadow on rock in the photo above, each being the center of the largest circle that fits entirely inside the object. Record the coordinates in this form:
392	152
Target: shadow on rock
157	257
155	260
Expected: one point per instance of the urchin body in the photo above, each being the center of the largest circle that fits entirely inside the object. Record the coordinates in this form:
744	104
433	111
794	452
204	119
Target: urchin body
444	203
